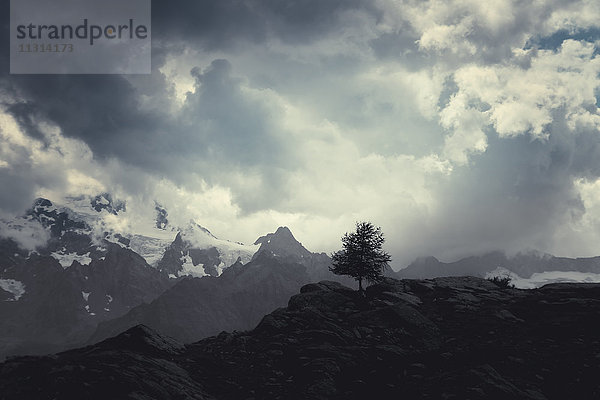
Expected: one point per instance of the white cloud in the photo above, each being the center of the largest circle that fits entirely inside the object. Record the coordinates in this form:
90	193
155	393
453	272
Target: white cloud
573	16
516	101
456	139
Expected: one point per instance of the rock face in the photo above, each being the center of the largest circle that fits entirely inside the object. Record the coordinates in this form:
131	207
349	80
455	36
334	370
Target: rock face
237	299
204	261
199	307
283	246
445	338
60	308
281	243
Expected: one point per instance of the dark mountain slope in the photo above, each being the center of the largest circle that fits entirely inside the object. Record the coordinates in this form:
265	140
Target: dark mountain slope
61	308
453	338
138	364
199	307
282	243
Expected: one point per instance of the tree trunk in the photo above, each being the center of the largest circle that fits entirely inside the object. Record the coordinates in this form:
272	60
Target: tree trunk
360	288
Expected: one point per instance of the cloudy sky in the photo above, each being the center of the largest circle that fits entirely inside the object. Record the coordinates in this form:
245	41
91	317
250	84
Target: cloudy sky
458	126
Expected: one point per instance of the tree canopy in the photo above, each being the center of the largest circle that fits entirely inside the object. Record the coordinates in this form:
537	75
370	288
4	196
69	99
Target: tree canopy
362	256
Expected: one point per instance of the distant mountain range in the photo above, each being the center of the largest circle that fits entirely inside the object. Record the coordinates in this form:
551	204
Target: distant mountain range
527	270
87	269
67	277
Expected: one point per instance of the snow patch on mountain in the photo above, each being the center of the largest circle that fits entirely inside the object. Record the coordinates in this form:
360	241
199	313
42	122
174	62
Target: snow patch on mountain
127	228
221	267
152	248
80	205
66	259
188	268
14	287
117	239
87	308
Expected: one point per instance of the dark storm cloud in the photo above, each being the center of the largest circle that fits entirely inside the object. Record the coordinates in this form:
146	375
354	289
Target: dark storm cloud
25	114
101	110
401	46
211	24
232	132
219	133
358	88
23	182
4	38
98	109
230	127
21	178
217	24
219	124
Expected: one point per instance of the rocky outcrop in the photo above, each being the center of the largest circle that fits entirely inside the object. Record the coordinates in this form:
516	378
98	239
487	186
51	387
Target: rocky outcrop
453	338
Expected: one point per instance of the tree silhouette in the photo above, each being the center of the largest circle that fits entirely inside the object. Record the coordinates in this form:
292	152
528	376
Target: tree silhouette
362	256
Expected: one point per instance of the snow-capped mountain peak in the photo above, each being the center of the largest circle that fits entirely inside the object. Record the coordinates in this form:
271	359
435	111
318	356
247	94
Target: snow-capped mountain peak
196	251
80	228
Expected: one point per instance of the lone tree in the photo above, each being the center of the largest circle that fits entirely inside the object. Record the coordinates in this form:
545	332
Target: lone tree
361	257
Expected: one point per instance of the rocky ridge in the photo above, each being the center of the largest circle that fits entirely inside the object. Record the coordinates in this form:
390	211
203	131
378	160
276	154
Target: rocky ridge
451	338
